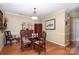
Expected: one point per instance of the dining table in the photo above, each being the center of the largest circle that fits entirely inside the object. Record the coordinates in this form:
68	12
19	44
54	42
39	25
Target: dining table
33	39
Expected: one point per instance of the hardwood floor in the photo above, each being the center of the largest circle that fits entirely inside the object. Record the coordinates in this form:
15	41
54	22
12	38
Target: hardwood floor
51	49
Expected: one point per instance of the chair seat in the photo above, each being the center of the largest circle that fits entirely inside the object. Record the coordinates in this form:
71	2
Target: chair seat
11	38
37	42
25	44
25	40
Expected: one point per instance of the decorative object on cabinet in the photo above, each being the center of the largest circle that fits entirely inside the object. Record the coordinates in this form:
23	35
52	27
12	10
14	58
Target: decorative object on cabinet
50	24
23	26
5	23
30	26
26	26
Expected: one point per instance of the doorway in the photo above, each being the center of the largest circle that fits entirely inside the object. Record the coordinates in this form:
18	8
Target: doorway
76	33
38	28
77	30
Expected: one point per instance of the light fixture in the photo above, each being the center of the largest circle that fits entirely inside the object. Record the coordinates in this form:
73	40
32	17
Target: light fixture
34	17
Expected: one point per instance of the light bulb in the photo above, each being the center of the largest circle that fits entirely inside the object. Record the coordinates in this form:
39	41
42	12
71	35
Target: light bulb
34	17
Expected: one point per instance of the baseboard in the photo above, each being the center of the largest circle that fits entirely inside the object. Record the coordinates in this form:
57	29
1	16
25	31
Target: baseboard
56	43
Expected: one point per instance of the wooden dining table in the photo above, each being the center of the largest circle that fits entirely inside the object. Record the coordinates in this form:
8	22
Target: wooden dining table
33	39
30	35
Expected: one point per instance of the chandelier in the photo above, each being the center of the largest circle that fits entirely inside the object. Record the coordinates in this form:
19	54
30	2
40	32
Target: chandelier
34	17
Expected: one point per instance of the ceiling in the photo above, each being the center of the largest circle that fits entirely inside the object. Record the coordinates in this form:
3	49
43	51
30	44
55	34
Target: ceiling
43	9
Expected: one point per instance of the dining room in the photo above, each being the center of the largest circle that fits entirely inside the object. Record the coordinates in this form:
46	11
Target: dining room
36	29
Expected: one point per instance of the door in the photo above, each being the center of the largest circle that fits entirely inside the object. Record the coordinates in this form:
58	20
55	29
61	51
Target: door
38	28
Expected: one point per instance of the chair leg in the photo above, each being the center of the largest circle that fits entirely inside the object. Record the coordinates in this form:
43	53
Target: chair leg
39	51
16	41
45	49
6	42
11	42
21	48
33	46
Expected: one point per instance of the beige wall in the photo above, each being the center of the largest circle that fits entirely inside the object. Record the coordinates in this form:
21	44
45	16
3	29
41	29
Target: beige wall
58	35
15	21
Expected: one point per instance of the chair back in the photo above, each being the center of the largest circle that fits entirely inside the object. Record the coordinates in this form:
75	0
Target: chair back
41	43
7	34
42	37
24	39
25	34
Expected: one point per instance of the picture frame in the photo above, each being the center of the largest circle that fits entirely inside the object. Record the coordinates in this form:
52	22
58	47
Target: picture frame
50	24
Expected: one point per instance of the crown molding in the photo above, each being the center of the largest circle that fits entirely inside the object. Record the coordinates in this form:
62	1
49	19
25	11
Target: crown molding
17	14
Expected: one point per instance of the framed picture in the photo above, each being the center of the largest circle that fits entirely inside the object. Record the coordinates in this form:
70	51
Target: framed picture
50	24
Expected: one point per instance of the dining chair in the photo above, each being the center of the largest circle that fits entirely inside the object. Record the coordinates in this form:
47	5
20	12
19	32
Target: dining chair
41	42
9	37
25	42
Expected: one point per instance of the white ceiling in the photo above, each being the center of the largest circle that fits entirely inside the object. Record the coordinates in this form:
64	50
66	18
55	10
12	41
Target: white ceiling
43	9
